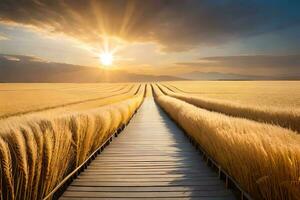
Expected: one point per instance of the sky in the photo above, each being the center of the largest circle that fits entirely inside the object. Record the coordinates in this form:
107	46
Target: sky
257	37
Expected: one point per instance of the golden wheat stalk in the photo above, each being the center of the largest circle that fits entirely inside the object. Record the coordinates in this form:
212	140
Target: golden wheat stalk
19	150
7	182
47	158
36	187
259	156
44	149
285	118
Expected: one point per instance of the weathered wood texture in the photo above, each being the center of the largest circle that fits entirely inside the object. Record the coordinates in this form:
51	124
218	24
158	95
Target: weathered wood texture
151	159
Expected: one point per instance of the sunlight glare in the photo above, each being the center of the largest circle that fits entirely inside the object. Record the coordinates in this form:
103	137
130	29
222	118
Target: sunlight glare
106	58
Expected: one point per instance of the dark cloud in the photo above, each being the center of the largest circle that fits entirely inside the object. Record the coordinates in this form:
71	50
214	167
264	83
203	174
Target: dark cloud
255	64
174	24
256	61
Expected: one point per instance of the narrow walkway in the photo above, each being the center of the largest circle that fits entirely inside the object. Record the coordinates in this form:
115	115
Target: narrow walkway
151	159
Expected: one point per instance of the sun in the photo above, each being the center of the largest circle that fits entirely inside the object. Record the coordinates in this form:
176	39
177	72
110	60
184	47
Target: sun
106	58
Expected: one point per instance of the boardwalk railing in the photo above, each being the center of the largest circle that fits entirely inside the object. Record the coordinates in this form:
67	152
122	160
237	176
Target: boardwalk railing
223	175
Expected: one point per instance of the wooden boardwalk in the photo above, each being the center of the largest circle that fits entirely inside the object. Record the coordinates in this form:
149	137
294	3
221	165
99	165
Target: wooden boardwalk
151	159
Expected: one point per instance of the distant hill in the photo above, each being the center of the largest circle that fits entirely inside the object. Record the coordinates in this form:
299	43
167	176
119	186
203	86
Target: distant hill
16	68
196	75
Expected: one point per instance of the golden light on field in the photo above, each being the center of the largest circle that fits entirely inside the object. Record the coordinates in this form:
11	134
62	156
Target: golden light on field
106	58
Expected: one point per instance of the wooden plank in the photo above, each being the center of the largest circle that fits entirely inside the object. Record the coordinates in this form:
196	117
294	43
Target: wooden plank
147	166
104	176
148	189
145	179
149	171
151	159
143	172
150	162
150	198
78	182
147	194
148	154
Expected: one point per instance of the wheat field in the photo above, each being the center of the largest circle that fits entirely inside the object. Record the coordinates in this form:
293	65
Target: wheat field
283	94
286	116
23	98
263	158
43	140
41	146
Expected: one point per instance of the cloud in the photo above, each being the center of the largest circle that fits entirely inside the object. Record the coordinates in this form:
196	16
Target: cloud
3	37
175	25
251	64
11	58
22	58
267	61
